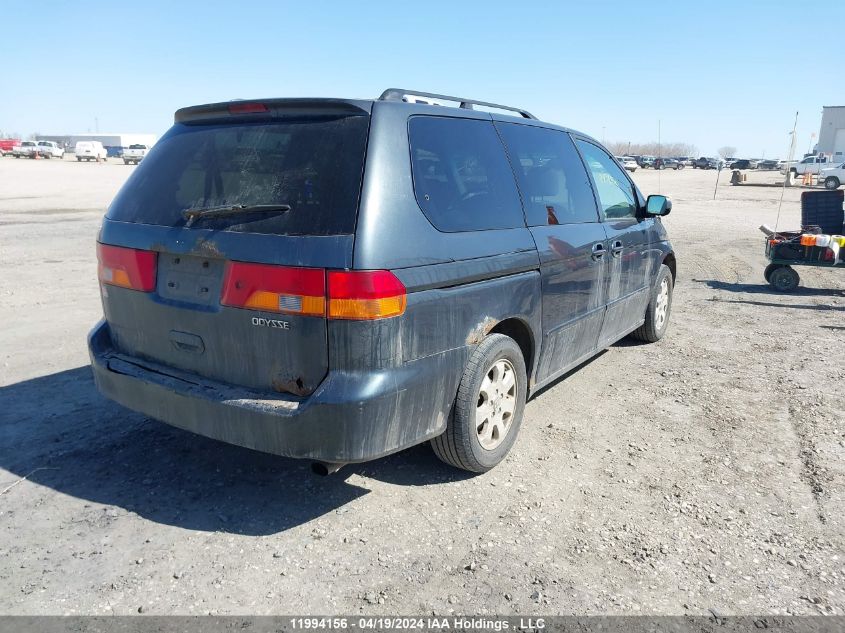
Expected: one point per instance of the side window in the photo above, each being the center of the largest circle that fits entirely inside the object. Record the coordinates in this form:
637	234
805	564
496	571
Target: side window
462	180
555	187
616	195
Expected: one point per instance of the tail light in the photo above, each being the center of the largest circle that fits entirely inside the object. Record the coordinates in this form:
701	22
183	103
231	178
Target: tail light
275	288
365	295
359	295
126	267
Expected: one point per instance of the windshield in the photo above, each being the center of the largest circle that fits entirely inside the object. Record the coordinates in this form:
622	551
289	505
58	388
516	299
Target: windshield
313	165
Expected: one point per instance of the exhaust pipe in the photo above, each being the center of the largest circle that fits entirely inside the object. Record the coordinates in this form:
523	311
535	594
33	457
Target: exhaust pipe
325	468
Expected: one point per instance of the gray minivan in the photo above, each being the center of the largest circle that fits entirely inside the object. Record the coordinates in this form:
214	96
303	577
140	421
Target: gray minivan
338	280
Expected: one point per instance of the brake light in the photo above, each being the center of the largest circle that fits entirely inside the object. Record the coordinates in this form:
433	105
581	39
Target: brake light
247	108
275	288
364	295
126	267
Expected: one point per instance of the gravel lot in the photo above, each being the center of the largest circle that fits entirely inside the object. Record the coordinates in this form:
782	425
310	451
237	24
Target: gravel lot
703	472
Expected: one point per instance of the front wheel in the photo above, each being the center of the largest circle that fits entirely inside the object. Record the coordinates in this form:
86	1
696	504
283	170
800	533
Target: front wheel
659	308
831	182
488	409
784	279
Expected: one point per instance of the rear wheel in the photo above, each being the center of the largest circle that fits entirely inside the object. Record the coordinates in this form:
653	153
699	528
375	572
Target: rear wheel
784	279
831	182
769	269
659	309
488	409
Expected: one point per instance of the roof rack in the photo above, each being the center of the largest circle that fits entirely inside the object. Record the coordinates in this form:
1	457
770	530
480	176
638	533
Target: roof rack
400	94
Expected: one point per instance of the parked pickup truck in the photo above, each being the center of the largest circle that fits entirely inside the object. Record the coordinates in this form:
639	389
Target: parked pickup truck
50	149
8	145
26	149
833	177
808	165
135	153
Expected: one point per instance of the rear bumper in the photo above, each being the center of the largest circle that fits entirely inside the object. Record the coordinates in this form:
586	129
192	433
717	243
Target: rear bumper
351	417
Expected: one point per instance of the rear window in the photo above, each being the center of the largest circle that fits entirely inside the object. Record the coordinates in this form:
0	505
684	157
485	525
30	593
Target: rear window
462	179
137	147
312	165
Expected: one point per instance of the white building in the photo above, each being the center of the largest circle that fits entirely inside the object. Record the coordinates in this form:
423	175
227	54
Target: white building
832	133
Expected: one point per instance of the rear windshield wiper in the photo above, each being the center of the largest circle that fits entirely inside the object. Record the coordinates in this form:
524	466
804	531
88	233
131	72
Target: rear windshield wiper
232	209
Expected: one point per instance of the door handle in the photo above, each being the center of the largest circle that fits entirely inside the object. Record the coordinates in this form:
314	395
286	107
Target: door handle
616	248
598	251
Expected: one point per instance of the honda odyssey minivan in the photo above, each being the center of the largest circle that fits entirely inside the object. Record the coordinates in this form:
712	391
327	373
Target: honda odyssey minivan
337	280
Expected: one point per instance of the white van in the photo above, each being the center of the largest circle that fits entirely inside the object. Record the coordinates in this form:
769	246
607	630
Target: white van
90	150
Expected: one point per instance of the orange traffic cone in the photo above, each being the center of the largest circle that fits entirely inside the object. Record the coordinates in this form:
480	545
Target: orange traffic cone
36	154
808	178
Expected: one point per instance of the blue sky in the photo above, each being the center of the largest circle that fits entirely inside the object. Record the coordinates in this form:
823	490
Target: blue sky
714	73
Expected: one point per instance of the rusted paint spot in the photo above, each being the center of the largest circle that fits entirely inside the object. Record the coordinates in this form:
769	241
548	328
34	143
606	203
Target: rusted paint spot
206	248
294	385
481	330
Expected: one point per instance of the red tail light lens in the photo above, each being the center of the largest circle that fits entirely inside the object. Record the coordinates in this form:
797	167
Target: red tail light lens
365	295
247	108
275	288
126	267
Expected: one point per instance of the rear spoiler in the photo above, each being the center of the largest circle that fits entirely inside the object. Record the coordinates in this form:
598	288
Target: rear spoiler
268	109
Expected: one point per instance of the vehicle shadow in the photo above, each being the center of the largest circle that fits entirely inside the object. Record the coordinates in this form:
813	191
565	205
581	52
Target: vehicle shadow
560	379
766	289
58	432
796	306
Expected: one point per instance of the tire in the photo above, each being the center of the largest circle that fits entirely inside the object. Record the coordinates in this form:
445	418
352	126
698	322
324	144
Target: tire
831	182
784	279
475	447
79	159
769	269
125	162
659	308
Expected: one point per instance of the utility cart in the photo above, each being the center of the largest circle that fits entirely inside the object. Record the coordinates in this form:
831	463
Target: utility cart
819	243
785	250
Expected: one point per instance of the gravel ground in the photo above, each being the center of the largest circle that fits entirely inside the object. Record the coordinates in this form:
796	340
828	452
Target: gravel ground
701	473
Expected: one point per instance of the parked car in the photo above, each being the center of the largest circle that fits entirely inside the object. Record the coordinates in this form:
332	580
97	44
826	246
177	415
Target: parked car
27	149
50	149
114	151
135	153
646	161
686	161
668	163
628	163
744	163
706	162
8	145
90	150
767	164
833	177
807	165
492	254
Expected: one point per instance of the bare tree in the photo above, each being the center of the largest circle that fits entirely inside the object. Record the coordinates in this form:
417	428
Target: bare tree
727	151
622	148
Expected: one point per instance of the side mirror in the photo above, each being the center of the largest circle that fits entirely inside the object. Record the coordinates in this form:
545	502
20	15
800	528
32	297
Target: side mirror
658	205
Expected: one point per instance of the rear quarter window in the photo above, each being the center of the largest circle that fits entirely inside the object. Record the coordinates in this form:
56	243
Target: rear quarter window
313	165
462	180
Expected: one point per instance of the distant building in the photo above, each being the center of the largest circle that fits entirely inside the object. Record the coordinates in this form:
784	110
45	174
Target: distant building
114	141
832	133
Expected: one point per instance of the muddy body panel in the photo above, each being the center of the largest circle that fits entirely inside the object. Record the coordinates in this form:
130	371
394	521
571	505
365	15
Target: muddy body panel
391	384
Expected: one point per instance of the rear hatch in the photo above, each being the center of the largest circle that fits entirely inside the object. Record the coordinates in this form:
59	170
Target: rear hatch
213	255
